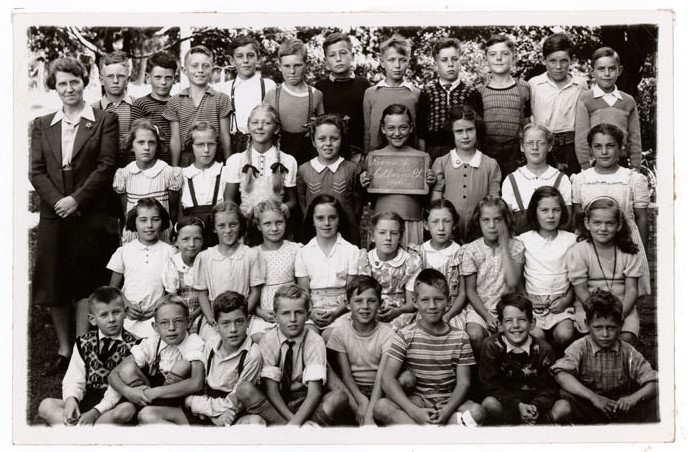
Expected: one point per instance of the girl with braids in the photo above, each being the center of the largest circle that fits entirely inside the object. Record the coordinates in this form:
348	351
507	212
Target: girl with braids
607	258
330	173
261	172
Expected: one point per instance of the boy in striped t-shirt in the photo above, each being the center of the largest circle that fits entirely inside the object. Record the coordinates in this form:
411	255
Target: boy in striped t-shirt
438	356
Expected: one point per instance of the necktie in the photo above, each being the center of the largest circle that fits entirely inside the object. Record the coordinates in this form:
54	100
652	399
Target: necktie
106	350
448	87
288	367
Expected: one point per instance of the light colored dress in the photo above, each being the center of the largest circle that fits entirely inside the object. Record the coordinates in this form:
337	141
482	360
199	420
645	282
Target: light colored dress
279	270
153	182
630	189
397	276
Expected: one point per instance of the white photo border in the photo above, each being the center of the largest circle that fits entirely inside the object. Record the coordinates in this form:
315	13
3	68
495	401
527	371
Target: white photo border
25	434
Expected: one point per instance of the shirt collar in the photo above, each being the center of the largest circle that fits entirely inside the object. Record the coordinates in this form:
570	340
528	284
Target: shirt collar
187	93
217	342
405	84
164	345
446	252
523	348
150	172
453	86
474	162
86	113
529	175
596	348
105	102
335	79
314	242
395	262
252	79
297	340
137	243
270	153
218	256
191	170
597	92
116	338
319	167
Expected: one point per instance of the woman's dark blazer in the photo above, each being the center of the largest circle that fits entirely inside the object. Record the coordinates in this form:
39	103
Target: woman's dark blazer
93	162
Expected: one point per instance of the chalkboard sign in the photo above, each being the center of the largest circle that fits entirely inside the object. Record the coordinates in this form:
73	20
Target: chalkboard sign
398	172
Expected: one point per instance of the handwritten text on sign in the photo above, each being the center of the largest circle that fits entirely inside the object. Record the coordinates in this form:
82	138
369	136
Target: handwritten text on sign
395	173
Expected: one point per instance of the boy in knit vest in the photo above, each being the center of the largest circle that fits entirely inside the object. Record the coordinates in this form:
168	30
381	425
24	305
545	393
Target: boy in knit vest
96	353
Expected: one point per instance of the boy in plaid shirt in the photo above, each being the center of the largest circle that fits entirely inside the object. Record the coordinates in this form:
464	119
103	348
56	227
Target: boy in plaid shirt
603	378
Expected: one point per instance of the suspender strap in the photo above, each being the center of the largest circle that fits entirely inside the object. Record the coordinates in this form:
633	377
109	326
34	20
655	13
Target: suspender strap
242	358
232	109
211	355
557	181
517	194
192	192
262	89
278	91
217	188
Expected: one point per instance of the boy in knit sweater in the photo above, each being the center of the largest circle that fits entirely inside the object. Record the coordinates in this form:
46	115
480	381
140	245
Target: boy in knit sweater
395	54
439	96
514	369
343	91
605	103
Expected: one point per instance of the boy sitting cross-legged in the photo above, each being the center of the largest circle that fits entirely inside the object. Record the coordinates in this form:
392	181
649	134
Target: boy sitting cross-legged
603	378
438	356
294	369
359	345
231	357
163	368
85	400
514	369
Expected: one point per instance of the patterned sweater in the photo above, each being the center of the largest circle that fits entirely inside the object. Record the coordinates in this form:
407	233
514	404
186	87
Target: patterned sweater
97	371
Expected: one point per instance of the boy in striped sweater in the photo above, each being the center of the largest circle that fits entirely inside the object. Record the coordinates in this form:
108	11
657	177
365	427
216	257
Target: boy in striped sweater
438	356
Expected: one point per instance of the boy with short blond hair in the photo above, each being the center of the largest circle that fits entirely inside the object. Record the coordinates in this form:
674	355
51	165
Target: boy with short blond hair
439	357
198	102
295	101
161	71
114	77
343	91
246	90
605	103
395	55
438	97
86	398
506	105
294	369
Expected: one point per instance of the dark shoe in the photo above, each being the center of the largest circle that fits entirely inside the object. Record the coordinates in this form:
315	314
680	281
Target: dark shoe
57	367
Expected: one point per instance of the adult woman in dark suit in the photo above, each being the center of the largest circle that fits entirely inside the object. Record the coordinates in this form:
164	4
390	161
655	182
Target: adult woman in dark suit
73	154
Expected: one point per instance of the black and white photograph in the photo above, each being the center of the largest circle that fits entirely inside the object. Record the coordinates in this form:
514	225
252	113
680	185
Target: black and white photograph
343	228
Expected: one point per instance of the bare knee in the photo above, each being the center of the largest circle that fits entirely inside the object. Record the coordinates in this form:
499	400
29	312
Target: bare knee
131	375
251	419
492	405
148	415
335	400
123	413
476	411
384	409
628	337
561	410
407	381
247	393
563	333
538	333
477	335
50	410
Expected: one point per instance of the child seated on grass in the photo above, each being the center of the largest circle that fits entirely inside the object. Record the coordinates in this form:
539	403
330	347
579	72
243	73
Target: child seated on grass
359	345
164	368
294	369
604	378
514	369
85	400
438	356
231	357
